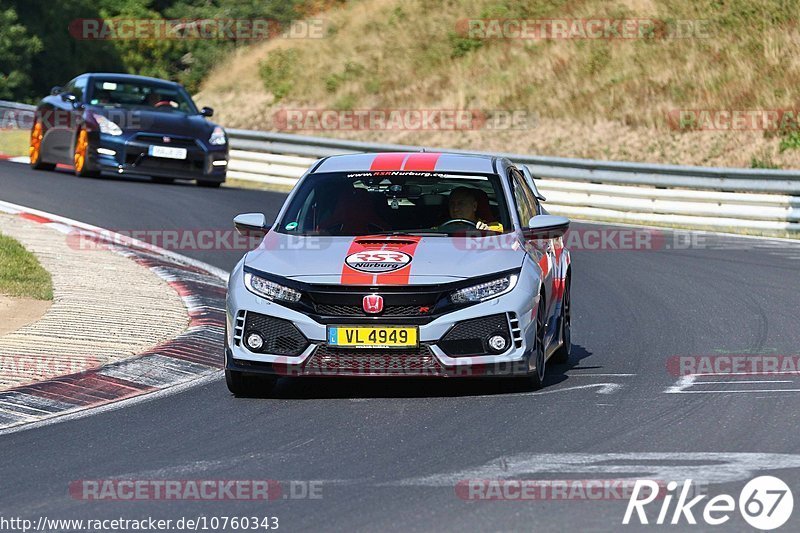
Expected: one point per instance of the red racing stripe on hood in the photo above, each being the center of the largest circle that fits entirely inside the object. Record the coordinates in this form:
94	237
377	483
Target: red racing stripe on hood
407	244
351	276
388	162
422	161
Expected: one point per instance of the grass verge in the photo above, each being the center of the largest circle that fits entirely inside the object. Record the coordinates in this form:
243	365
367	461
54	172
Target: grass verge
14	142
20	272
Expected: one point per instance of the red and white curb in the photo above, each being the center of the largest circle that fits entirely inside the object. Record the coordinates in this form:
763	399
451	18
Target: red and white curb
15	159
192	358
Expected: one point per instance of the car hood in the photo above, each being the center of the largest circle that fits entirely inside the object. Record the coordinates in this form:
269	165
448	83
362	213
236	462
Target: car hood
164	122
401	260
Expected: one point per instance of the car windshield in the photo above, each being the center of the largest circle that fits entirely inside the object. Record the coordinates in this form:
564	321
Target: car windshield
397	202
141	96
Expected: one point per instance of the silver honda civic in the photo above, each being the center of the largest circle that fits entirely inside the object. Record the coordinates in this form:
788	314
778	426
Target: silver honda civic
401	264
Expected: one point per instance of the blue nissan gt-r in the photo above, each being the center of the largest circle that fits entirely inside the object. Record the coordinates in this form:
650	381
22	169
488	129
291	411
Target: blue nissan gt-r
128	125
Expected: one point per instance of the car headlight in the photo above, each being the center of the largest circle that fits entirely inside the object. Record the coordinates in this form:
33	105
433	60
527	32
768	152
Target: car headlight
106	125
484	291
269	289
217	136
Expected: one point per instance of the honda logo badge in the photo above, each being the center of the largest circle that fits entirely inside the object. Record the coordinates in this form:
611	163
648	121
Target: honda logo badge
372	303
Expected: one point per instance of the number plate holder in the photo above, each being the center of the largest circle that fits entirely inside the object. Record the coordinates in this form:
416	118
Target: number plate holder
373	336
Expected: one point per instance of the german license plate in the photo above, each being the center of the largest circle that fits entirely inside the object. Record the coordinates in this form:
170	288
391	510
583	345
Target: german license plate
373	336
168	152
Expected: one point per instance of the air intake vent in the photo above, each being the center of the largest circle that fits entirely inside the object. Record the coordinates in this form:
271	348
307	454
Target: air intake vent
238	328
278	336
470	337
388	243
516	333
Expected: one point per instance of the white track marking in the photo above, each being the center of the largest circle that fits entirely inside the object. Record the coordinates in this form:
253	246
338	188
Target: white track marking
689	381
683	383
737	391
739	382
603	388
570	374
705	467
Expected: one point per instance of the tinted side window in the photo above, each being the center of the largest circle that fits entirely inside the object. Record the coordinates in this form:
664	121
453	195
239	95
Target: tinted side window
532	200
525	210
79	88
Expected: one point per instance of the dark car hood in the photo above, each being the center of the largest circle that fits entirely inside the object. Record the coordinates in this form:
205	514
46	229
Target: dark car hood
165	122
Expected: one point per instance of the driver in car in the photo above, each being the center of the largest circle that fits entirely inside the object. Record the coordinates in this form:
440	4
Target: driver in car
463	205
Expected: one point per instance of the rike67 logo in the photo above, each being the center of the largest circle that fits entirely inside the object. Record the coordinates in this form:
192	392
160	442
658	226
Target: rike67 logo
765	503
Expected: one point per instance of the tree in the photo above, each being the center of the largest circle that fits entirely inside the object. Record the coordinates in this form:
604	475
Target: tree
17	48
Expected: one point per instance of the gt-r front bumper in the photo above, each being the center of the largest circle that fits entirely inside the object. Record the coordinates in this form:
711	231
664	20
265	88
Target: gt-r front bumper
127	154
515	309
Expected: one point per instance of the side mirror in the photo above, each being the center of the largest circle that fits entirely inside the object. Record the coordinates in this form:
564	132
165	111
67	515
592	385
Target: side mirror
251	223
55	91
546	227
68	97
207	112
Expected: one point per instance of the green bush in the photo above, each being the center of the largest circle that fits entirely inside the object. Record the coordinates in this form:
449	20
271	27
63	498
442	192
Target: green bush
276	69
461	46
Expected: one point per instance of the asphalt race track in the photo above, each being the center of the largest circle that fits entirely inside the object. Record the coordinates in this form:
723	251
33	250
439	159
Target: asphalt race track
389	454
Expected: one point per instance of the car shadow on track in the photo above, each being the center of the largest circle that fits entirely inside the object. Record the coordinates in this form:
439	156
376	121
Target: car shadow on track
122	178
316	388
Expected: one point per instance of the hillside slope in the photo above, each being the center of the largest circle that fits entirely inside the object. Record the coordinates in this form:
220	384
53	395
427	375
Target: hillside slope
596	98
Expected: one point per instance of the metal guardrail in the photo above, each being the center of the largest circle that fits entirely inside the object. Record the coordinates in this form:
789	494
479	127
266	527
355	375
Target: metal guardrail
4	104
15	116
699	197
711	178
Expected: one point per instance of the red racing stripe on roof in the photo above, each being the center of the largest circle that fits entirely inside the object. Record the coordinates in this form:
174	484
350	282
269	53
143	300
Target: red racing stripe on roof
388	162
422	161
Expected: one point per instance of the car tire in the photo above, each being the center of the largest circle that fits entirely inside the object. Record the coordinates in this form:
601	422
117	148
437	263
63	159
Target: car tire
535	380
209	184
247	385
35	148
80	156
565	323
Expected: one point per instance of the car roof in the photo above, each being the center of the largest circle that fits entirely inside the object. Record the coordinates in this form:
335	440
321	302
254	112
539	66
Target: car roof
117	76
419	161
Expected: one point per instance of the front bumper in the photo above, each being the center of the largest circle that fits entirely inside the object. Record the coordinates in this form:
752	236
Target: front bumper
316	358
128	155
